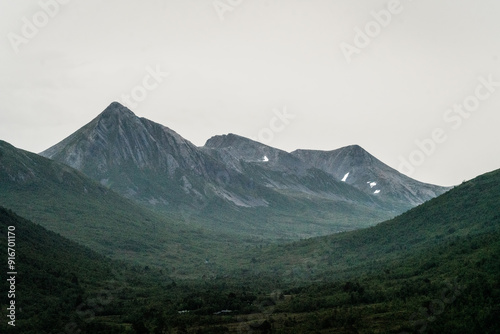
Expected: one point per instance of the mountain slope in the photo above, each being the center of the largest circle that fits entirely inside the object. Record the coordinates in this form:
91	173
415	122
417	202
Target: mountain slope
117	144
281	171
352	165
66	201
54	276
359	168
153	165
209	187
435	268
468	210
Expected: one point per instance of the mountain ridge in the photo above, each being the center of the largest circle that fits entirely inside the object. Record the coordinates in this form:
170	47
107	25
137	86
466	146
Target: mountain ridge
153	165
351	164
118	115
357	167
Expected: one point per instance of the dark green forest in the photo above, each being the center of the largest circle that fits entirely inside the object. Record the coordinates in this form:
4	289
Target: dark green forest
433	269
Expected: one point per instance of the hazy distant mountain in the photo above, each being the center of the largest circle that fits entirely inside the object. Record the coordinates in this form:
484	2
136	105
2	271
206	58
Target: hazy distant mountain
232	183
281	171
350	165
359	168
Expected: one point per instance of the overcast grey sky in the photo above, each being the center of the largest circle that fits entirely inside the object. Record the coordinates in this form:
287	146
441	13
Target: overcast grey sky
344	74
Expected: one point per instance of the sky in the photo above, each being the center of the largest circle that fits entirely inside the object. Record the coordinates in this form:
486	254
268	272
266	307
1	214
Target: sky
415	83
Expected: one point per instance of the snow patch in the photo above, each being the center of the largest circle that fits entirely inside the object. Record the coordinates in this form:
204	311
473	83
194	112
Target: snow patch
345	177
376	191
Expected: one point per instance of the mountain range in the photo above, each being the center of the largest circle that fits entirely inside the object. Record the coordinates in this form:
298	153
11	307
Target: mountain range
236	184
434	268
171	237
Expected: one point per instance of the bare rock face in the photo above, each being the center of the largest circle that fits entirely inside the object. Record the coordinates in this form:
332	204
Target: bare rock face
140	159
234	180
351	165
357	167
117	137
152	164
233	150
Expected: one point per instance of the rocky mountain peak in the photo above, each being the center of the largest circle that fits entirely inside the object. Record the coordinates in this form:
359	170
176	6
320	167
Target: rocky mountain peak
233	149
231	139
353	150
153	164
355	154
117	113
116	109
117	137
355	166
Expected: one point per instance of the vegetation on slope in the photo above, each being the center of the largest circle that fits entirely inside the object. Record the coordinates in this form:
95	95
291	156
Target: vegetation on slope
434	269
67	202
54	278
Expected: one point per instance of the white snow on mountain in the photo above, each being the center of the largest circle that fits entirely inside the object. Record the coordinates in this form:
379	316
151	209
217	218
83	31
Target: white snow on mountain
345	177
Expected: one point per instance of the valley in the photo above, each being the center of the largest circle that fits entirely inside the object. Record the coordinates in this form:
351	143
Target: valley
126	227
386	278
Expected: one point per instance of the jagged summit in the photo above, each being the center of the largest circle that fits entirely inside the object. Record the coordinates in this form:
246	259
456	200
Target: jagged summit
118	139
233	149
116	109
354	150
337	162
222	140
150	163
145	161
231	139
